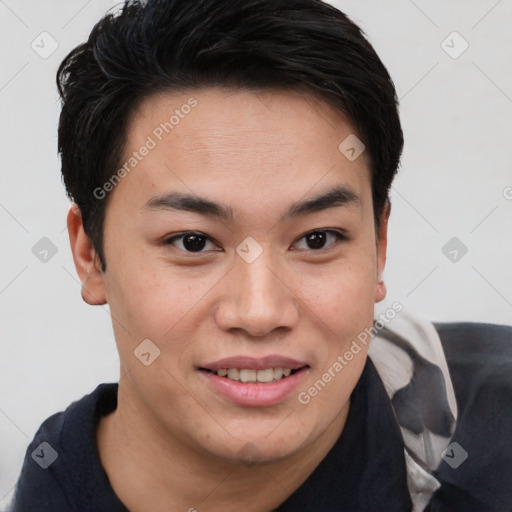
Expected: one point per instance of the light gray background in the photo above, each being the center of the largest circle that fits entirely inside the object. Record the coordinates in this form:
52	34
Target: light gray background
456	169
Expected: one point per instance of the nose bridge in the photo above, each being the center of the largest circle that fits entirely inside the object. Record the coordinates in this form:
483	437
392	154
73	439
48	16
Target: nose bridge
257	301
260	287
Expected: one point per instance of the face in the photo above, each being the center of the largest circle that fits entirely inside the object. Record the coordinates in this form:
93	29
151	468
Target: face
242	244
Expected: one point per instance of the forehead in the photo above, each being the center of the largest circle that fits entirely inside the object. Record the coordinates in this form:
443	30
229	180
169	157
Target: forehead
229	145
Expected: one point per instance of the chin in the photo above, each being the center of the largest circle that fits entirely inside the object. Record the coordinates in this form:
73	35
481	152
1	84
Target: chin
252	455
256	452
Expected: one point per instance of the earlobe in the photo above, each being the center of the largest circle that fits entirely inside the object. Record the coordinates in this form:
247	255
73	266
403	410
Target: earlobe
87	263
380	291
382	243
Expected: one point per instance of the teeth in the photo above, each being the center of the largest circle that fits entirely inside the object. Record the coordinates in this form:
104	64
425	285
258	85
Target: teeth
248	375
233	374
245	375
278	373
265	375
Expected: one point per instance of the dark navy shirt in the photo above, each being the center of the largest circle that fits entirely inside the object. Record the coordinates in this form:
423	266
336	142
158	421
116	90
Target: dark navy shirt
363	472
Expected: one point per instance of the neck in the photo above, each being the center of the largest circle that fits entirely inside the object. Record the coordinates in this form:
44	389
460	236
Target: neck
151	470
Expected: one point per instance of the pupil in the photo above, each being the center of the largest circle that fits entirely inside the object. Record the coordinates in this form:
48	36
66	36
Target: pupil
194	243
316	240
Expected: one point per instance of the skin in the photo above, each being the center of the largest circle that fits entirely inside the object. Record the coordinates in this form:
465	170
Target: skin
256	153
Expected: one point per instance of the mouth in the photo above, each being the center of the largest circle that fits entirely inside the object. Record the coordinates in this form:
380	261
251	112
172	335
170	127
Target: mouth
251	382
247	375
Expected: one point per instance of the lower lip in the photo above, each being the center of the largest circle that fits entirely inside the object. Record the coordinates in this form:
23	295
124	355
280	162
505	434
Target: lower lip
254	394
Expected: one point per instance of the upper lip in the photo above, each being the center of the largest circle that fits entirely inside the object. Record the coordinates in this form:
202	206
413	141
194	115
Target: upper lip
253	363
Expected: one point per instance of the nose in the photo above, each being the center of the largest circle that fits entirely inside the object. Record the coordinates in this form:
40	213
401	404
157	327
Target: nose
257	299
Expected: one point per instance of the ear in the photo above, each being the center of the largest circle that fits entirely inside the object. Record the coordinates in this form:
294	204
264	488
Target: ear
87	262
382	244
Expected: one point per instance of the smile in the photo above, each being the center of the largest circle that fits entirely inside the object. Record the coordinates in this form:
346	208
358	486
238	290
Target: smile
254	382
262	376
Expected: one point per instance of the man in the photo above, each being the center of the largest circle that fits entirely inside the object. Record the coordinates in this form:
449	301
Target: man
230	164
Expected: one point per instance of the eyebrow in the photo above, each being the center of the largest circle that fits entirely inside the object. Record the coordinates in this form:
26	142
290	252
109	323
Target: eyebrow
189	203
338	196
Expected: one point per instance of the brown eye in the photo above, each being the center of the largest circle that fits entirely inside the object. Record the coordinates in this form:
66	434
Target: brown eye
191	242
316	240
194	243
320	239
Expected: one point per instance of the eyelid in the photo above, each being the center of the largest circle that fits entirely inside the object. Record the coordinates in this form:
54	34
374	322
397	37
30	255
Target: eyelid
168	240
339	235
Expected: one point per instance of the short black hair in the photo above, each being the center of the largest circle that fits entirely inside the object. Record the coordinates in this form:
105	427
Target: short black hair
154	46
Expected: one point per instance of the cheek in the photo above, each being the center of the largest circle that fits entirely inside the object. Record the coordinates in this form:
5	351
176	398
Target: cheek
152	304
343	301
343	296
159	302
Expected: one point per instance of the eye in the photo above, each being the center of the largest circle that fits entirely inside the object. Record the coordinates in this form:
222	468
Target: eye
191	242
319	239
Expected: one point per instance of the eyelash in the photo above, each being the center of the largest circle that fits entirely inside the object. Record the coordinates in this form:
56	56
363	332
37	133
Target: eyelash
339	237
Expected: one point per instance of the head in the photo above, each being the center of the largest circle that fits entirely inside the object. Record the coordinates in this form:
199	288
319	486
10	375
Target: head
223	210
